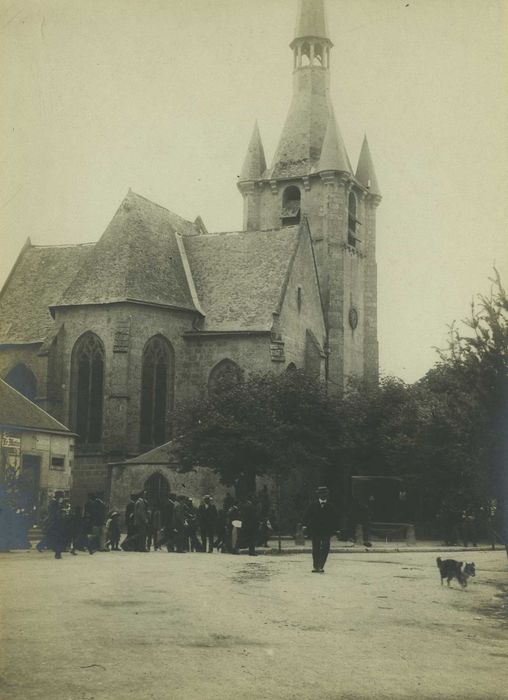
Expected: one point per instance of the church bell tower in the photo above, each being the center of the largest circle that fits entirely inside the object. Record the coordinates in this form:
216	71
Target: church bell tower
311	177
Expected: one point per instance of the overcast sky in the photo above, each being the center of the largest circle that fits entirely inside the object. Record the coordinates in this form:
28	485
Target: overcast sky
161	95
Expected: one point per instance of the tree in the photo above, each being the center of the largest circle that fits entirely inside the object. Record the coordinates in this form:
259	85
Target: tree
279	426
472	378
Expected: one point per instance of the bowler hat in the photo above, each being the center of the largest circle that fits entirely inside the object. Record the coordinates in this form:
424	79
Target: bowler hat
322	489
59	494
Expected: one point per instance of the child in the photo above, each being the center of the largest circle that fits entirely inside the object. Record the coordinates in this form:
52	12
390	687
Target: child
113	531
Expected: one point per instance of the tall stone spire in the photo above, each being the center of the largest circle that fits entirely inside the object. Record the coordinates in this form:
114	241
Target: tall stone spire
365	173
301	142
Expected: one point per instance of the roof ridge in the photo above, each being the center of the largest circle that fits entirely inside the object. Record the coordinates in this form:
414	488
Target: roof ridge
159	206
210	234
62	245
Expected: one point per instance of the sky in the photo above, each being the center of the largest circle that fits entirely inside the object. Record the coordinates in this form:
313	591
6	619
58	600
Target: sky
99	96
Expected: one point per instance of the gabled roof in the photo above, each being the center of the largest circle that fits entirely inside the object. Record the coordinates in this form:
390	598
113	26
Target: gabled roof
254	164
16	412
137	259
240	276
365	173
38	278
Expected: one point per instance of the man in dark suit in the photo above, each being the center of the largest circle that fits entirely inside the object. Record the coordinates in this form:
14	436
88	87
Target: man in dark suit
207	517
55	525
321	521
249	518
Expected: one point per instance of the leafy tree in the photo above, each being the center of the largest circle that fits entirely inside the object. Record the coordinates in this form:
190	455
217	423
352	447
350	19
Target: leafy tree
470	390
282	426
379	426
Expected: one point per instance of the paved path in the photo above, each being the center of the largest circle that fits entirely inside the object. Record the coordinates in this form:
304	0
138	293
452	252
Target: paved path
130	625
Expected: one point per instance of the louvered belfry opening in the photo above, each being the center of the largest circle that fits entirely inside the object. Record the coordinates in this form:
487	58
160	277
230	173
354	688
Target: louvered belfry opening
352	220
291	205
89	382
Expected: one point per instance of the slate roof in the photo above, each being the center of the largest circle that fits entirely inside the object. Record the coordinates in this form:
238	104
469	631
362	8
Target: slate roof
137	258
16	411
240	276
148	254
38	278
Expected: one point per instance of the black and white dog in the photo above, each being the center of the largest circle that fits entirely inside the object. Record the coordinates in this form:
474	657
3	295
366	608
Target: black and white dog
450	569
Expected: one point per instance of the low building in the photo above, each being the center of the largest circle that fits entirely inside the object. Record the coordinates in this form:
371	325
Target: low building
37	452
157	473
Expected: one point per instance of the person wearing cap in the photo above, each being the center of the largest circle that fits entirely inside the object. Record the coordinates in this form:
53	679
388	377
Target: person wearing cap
321	521
207	516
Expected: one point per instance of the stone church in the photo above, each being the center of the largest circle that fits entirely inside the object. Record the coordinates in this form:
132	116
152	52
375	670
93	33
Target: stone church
107	337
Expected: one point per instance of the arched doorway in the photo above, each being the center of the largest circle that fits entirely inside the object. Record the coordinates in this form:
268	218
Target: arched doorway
157	489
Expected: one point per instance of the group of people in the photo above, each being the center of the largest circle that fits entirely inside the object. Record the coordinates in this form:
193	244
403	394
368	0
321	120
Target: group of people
178	525
67	528
461	523
173	522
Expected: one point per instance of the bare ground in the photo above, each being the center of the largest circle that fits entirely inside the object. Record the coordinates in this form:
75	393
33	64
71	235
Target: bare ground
131	625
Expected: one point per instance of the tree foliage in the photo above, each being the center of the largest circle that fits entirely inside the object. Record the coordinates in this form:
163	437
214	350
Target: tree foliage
266	425
446	435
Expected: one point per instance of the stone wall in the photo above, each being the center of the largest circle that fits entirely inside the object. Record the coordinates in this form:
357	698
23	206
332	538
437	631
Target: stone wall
301	309
347	274
126	479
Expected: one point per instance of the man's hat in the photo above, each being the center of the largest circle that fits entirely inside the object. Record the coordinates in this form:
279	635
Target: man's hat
59	494
322	489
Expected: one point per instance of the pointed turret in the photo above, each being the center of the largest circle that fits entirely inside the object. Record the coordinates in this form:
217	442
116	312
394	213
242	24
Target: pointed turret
333	153
365	173
254	164
311	20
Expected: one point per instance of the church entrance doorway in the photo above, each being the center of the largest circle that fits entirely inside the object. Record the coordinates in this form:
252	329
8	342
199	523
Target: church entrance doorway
157	489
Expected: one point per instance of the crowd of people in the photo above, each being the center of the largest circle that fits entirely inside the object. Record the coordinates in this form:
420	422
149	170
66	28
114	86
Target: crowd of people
174	523
462	523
